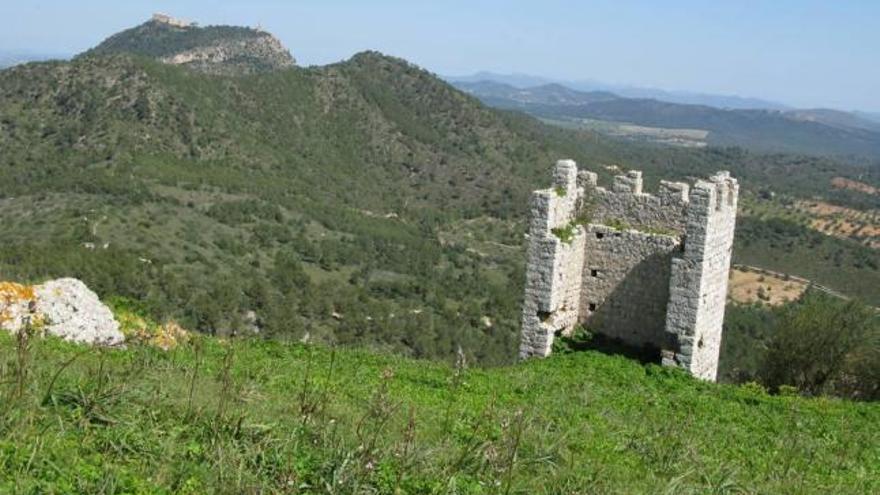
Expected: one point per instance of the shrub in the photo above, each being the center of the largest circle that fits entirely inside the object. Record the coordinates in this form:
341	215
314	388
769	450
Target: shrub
825	345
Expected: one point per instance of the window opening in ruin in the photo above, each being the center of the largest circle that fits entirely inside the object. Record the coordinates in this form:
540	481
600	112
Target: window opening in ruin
599	235
592	306
594	273
700	343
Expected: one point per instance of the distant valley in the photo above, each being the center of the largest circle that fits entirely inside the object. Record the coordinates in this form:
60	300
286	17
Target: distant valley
808	131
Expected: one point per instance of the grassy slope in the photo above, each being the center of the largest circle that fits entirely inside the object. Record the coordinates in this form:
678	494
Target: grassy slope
117	421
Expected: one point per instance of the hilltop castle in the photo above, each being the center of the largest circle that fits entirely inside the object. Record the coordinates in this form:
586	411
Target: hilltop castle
647	270
171	21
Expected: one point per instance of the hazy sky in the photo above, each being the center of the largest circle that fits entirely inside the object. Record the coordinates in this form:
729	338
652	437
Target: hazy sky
800	52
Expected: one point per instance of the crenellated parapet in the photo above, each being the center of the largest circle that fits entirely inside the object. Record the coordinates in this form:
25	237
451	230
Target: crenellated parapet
645	269
626	203
556	207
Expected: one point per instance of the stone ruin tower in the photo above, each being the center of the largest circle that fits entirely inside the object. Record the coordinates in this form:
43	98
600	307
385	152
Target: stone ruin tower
649	270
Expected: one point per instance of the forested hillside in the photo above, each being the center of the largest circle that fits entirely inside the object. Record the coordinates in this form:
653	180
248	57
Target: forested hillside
362	202
310	197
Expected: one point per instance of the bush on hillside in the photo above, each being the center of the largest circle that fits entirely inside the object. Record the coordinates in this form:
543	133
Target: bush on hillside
823	345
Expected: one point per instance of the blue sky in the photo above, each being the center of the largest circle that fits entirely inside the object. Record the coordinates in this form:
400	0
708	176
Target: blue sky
805	53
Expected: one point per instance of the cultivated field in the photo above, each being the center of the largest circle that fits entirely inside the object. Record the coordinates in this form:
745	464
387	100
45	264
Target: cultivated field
842	222
844	183
748	286
687	138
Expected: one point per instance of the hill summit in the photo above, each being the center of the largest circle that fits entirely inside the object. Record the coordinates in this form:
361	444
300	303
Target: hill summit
213	49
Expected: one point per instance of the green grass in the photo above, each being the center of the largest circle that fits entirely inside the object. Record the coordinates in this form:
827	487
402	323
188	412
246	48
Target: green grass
274	417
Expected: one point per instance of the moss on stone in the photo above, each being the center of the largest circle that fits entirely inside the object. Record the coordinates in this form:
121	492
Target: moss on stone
565	234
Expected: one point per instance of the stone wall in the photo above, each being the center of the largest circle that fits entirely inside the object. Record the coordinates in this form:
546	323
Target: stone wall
625	284
553	284
626	203
648	270
698	285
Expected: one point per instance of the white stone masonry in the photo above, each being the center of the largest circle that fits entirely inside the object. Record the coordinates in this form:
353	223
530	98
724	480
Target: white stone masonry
556	251
645	269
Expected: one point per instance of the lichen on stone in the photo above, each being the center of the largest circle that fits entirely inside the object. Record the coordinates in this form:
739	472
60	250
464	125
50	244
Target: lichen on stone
64	308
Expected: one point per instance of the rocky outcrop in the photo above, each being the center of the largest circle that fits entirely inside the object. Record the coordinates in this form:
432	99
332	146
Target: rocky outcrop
64	308
261	52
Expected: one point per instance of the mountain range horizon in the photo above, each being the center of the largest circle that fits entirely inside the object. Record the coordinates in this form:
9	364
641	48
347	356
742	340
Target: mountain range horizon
722	101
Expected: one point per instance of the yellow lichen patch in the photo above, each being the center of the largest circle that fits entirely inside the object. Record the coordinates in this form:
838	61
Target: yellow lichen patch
14	302
10	291
130	324
139	329
170	335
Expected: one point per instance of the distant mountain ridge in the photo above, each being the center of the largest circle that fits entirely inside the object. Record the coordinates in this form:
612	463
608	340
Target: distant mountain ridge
811	131
835	118
523	81
869	115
